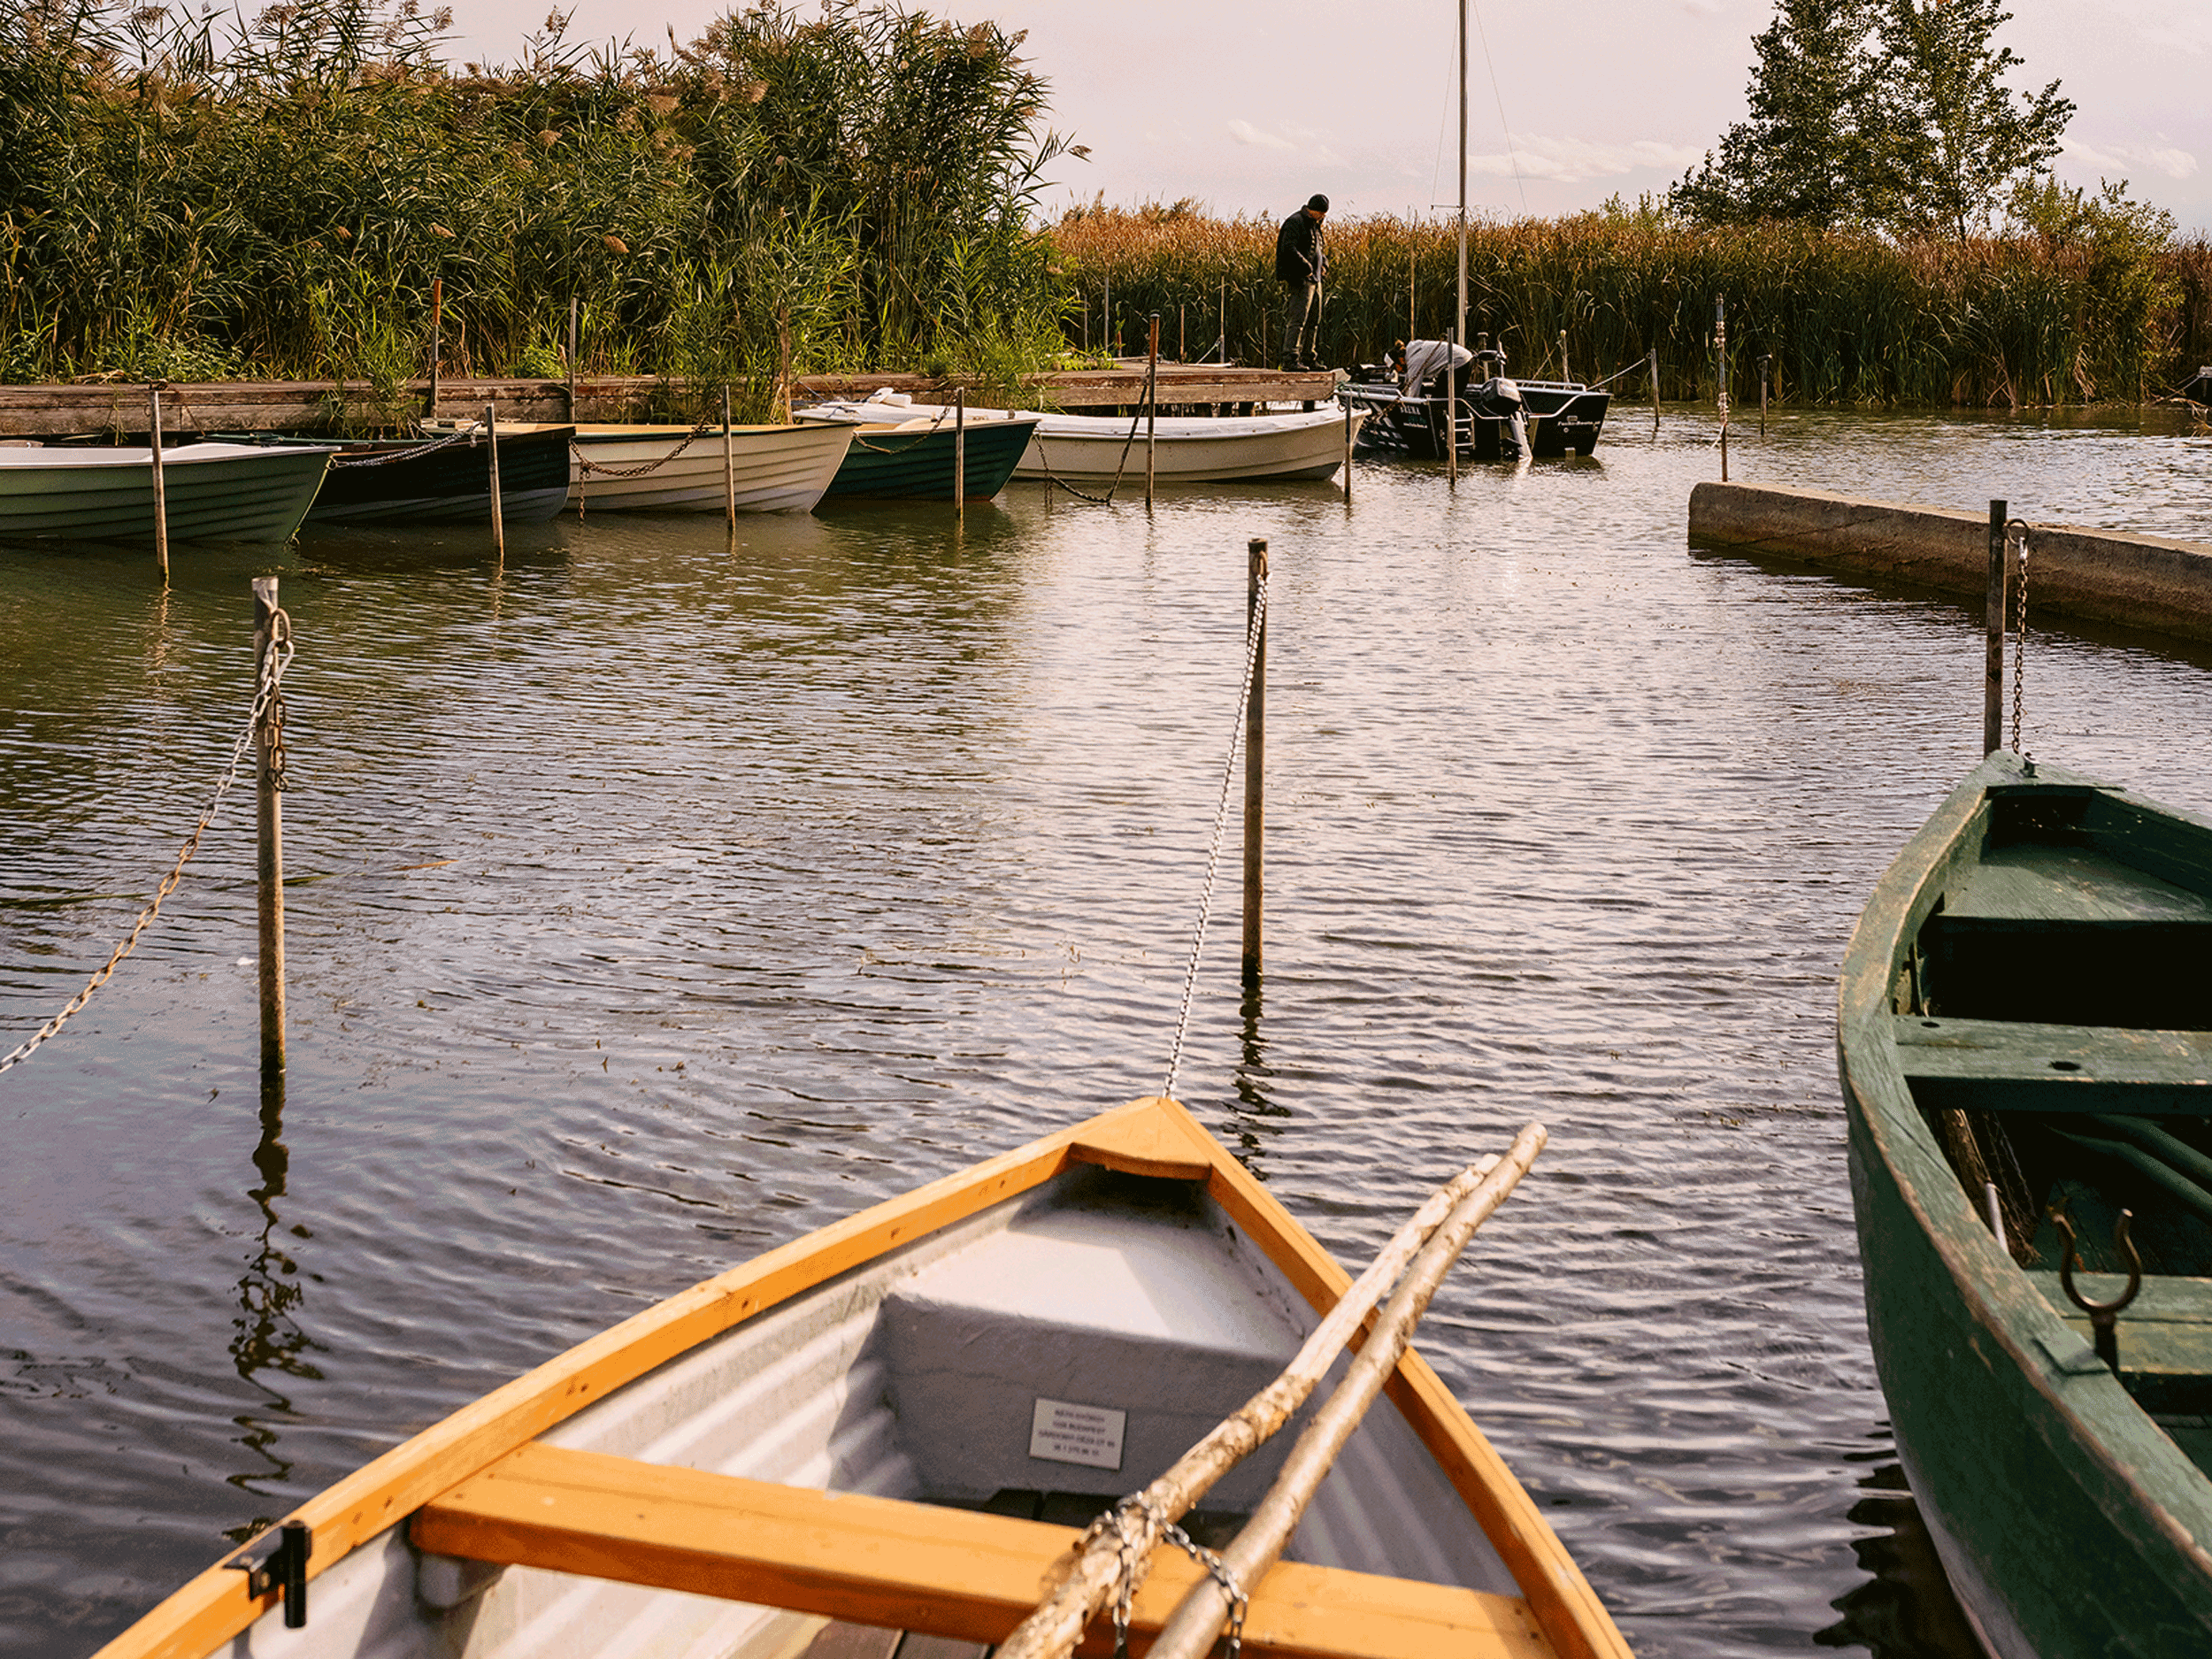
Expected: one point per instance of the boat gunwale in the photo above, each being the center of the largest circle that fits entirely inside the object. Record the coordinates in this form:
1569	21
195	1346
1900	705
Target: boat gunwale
1995	1294
1152	1136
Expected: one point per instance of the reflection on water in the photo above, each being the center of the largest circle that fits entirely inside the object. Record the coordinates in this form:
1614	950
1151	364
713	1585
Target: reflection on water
656	899
1905	1609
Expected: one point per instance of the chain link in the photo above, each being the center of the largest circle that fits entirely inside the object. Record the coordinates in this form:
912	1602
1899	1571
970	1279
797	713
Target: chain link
1221	824
270	671
2016	535
1127	1544
414	452
1107	500
592	467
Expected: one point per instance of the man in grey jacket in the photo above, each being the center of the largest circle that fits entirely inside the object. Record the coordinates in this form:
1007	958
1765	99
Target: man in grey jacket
1300	263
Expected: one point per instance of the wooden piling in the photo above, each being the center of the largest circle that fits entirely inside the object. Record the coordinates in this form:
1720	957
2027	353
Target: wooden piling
1254	763
1182	342
1348	449
571	359
1655	391
268	737
1994	606
499	507
960	455
1563	373
1224	341
1764	359
437	328
1151	405
729	466
161	486
1720	377
1451	412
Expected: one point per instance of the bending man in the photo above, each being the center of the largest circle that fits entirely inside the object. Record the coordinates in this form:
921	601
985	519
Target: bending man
1300	262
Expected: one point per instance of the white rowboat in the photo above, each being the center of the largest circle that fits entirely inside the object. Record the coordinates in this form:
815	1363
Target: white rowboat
898	1423
680	469
230	492
1092	451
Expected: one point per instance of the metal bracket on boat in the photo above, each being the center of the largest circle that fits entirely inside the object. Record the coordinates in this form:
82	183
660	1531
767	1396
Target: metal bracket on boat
282	1571
2104	1317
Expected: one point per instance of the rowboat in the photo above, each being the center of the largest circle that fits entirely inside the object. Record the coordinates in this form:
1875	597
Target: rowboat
898	1423
898	455
447	478
230	492
681	469
1095	450
2026	1043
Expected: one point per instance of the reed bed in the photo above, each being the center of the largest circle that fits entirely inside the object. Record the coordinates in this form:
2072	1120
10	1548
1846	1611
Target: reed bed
186	197
1848	319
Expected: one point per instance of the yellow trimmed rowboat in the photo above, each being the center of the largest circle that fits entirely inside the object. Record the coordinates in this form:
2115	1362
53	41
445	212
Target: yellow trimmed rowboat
897	1425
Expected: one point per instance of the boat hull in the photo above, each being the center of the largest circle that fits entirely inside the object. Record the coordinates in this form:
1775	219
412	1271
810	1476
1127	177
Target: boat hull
222	492
672	469
1562	420
1094	451
449	483
886	462
2070	1522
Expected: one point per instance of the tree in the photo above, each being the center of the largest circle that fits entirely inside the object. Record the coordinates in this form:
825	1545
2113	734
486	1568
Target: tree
1888	112
1799	157
1953	142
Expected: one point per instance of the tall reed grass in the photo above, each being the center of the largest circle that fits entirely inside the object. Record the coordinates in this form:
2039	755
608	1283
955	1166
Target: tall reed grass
1846	317
186	197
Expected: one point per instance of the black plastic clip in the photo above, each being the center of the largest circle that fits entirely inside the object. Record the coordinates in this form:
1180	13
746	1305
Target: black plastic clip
282	1571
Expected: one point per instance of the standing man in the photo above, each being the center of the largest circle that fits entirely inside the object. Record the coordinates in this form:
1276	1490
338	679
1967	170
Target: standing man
1300	262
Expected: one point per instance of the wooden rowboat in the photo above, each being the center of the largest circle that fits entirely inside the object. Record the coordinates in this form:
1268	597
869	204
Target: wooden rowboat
1095	450
895	1425
228	492
447	478
681	469
2025	1022
913	458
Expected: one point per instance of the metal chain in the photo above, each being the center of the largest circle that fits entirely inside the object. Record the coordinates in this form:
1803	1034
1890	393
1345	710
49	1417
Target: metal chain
2016	533
1125	1550
643	467
279	658
412	452
1221	824
1150	392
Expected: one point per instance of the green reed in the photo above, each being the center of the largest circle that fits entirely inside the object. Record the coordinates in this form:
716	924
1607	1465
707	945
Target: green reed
1846	318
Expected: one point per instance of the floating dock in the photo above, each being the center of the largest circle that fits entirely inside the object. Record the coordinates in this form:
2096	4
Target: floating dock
317	406
2139	581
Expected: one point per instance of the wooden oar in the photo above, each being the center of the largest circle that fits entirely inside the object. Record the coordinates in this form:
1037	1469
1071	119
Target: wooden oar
1090	1578
1191	1630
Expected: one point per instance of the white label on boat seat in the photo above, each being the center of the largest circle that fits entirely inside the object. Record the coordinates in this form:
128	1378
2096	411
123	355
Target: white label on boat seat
1064	1433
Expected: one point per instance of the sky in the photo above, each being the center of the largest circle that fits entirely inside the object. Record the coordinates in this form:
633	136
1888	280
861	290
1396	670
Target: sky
1250	106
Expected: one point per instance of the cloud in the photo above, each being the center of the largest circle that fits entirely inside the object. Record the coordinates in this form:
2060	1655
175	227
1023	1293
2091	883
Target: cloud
2133	160
1575	160
1245	132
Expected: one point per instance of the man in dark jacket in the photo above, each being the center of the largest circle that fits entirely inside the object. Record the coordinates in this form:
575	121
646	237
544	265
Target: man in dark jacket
1300	262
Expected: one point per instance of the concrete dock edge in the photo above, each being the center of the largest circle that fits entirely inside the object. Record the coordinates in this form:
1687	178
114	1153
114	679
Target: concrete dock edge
2139	581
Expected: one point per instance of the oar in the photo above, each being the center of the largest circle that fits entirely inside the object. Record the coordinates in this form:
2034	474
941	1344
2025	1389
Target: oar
1092	1576
1191	1630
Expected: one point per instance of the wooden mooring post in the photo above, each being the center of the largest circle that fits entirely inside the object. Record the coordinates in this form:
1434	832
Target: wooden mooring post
269	756
1655	391
499	509
1451	412
571	359
1720	377
437	328
1254	763
729	467
1151	406
960	455
1348	449
1994	608
161	487
1764	359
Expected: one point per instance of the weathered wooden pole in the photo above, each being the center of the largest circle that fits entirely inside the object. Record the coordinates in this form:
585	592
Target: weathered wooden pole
1451	412
571	359
437	328
1151	405
1563	373
1655	391
1720	377
1182	325
1993	609
161	487
1255	762
1224	341
960	455
499	507
1107	317
729	466
1764	359
1348	449
269	754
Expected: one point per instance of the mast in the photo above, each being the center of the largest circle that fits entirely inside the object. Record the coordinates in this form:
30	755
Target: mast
1459	332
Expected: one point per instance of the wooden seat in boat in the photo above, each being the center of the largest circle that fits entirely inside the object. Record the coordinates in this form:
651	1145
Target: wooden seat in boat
2005	1066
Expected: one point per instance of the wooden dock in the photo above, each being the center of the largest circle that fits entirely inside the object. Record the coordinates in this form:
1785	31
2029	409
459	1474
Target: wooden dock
119	407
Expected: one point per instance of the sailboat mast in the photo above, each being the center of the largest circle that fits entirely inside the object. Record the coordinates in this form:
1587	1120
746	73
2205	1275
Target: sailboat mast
1459	334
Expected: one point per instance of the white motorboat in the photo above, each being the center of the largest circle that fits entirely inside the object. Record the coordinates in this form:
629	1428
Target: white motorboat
682	469
230	492
1094	450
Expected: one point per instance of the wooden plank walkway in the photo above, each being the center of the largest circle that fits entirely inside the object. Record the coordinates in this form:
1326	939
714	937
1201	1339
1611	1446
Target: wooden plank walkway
53	412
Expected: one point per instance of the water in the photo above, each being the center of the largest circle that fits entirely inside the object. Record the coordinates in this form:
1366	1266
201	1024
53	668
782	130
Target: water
653	904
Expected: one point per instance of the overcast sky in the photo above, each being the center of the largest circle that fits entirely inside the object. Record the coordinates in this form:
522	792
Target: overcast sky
1251	106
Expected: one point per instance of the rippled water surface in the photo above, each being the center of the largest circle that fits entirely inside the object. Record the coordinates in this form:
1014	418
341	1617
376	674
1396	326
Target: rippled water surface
655	902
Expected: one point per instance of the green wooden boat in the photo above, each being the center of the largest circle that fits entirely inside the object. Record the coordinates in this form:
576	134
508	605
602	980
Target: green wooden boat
230	492
2025	1028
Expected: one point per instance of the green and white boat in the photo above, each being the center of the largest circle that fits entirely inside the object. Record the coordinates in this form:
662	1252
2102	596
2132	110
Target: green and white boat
228	492
2025	1040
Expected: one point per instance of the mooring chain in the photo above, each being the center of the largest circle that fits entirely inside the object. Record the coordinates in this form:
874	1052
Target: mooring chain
412	452
1125	1545
643	467
1151	391
1221	824
272	674
2016	534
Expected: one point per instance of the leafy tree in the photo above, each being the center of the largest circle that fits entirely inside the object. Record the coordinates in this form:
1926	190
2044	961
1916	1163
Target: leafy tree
1886	112
1800	156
